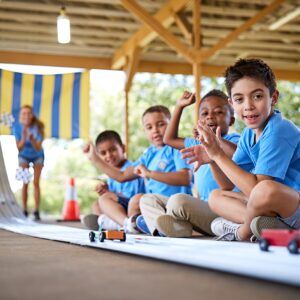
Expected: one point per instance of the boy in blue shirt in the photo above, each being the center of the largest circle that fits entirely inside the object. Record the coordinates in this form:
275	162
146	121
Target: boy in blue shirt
114	196
178	215
162	167
266	165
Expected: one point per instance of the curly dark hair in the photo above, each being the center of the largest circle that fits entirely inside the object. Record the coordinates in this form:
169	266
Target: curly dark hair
253	68
219	94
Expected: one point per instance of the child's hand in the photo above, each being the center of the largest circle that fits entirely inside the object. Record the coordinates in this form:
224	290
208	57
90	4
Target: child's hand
25	133
101	188
196	155
141	171
90	151
186	99
210	140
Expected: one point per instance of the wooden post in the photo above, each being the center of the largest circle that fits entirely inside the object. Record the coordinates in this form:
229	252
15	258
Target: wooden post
126	130
197	66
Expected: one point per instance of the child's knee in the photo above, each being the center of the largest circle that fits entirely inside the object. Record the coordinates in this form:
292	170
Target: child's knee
262	194
214	199
148	200
179	205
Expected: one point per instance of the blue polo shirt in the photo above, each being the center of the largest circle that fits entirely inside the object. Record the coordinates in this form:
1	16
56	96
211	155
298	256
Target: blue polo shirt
275	154
165	159
127	188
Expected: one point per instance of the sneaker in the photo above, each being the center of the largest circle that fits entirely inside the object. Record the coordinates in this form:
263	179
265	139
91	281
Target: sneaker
169	226
36	215
262	222
130	225
90	221
105	223
25	212
224	229
141	225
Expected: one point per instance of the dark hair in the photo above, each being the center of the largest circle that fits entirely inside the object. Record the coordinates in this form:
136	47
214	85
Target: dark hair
253	68
108	135
159	109
35	120
221	95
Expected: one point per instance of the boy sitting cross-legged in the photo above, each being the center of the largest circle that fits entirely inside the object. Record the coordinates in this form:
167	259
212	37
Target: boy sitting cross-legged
178	215
114	196
266	165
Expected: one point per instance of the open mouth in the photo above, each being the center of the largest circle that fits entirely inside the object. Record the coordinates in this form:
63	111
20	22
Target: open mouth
251	118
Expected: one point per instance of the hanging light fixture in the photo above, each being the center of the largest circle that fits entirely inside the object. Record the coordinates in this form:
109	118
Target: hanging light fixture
63	27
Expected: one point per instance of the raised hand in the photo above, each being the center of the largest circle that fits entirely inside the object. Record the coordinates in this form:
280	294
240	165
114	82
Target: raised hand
210	140
186	99
101	188
197	155
141	171
90	151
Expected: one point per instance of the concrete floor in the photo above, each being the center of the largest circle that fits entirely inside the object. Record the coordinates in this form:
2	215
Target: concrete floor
34	268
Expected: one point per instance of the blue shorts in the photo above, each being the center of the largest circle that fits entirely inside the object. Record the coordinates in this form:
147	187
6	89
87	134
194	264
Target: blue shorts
123	201
36	160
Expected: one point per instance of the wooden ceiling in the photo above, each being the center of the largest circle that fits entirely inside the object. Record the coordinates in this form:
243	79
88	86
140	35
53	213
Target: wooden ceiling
164	34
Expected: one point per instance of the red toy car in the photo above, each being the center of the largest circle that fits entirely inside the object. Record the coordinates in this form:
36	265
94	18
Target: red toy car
280	237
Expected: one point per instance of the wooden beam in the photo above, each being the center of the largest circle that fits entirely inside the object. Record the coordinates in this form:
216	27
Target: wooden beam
197	68
209	70
132	68
167	36
145	35
205	54
183	26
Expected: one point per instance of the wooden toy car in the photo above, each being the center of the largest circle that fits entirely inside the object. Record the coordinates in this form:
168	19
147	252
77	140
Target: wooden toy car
280	237
108	235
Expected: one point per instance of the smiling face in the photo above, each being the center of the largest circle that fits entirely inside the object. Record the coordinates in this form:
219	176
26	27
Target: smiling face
26	116
111	152
155	125
214	112
252	102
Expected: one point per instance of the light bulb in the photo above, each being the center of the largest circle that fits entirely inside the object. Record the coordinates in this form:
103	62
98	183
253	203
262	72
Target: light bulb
63	28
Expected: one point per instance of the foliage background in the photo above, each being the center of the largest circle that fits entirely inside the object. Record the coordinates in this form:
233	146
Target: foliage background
107	112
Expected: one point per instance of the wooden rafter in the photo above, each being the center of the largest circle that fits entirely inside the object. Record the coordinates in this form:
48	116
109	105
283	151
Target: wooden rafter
132	66
166	35
203	55
183	26
145	35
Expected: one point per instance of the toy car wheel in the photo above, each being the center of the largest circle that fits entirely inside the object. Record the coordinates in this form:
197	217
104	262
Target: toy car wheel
264	245
92	236
102	236
293	247
124	238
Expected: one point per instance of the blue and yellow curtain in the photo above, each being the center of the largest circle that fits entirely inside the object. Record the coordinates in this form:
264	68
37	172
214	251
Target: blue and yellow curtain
60	101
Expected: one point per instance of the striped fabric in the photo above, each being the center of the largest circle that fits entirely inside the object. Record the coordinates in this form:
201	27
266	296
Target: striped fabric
61	101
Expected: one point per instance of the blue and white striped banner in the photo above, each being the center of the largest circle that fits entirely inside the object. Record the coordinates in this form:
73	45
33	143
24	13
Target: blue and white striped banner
61	101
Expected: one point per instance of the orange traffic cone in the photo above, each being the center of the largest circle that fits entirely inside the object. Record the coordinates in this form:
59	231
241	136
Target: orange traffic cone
71	207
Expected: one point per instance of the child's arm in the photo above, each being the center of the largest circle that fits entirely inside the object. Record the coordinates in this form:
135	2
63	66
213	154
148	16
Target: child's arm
110	171
180	177
37	145
21	143
244	180
171	137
